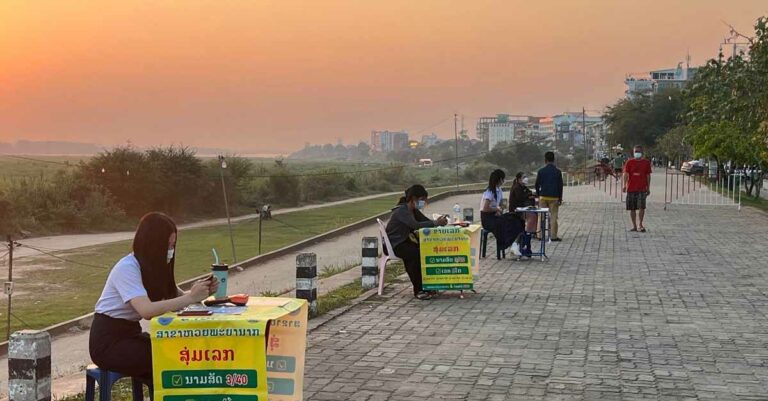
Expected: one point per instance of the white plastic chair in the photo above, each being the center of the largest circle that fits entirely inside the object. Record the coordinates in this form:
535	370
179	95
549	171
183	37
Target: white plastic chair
384	258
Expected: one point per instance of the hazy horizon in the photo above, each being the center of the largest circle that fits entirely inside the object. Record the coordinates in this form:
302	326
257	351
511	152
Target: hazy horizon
254	75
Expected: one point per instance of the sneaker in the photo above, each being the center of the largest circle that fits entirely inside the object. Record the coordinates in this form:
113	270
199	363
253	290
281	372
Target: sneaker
556	239
516	249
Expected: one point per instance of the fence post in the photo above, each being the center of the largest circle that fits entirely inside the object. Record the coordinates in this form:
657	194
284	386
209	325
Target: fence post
306	280
370	267
29	366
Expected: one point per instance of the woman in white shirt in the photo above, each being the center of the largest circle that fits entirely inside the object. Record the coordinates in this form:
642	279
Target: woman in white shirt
504	228
140	286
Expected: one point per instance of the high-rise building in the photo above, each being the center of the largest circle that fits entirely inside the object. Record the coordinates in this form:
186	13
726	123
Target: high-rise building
388	141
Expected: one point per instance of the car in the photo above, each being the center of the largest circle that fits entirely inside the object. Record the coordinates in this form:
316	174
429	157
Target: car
693	167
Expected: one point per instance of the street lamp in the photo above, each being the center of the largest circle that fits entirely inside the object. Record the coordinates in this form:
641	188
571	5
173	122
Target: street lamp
223	164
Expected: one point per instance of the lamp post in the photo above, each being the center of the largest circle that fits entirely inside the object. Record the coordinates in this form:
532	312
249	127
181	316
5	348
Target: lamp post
223	164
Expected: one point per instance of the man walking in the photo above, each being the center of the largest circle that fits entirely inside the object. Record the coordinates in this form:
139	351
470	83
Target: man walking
637	185
549	188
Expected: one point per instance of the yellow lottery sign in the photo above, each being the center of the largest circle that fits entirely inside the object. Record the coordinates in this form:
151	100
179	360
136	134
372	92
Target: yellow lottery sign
228	356
445	258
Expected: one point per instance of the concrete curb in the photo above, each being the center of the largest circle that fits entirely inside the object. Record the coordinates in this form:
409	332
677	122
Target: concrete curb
84	322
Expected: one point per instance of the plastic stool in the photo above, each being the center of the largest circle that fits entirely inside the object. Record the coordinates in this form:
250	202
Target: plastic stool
500	253
106	379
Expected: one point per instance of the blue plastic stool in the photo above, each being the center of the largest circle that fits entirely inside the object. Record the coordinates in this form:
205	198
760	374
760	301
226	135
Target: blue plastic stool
500	253
106	379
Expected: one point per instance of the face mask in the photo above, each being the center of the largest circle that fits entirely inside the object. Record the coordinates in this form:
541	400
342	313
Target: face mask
170	255
420	204
638	155
525	181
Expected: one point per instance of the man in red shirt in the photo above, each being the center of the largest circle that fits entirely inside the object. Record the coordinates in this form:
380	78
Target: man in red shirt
637	185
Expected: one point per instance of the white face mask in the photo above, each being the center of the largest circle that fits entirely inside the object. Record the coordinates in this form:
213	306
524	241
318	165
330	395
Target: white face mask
525	181
170	255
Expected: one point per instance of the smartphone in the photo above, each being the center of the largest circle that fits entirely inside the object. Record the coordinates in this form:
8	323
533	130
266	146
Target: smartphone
195	313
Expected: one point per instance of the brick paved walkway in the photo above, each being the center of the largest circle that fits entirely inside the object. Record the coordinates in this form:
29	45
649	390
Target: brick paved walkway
676	313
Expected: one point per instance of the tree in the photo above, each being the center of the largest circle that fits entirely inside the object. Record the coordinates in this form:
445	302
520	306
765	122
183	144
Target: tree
727	107
642	119
673	145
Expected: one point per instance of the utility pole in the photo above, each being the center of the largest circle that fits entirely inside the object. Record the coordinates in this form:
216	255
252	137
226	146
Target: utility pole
9	287
226	207
584	130
456	134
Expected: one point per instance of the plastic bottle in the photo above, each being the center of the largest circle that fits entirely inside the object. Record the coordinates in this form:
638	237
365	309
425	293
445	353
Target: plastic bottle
457	213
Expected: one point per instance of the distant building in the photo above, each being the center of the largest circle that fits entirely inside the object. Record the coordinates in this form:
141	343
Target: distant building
482	129
429	140
659	80
567	128
388	141
500	133
506	128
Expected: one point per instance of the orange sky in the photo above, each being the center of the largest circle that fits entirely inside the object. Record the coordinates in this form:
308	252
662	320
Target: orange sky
267	76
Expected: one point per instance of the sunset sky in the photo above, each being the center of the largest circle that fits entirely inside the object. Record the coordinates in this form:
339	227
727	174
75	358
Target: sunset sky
268	76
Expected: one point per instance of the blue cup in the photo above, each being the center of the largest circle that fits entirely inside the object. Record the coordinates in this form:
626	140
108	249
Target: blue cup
221	272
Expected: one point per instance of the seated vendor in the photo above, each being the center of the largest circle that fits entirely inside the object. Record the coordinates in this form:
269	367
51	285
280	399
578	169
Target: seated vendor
140	285
407	217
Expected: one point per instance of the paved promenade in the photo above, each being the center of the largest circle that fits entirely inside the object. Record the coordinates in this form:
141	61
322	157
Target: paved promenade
678	313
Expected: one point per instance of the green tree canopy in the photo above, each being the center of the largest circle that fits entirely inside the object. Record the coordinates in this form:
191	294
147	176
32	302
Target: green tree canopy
643	119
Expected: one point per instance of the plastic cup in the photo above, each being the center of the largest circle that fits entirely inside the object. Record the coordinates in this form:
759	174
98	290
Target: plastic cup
221	272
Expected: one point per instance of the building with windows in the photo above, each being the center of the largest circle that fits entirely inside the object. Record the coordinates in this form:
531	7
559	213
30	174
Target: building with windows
501	133
567	128
658	80
388	141
482	130
429	140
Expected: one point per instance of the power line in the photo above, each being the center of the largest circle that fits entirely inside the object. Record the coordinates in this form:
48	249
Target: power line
65	259
21	320
294	227
38	160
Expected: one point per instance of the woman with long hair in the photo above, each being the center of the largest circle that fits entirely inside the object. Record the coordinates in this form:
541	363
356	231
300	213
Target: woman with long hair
504	227
407	217
140	286
522	196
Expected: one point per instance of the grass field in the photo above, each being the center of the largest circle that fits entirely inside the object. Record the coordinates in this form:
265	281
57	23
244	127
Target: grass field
22	167
76	283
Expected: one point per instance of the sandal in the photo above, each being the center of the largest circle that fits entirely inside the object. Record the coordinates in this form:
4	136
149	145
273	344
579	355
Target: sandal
642	229
423	295
634	230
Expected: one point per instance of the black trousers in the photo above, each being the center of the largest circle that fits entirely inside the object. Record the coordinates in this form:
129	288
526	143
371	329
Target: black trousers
411	256
120	346
506	228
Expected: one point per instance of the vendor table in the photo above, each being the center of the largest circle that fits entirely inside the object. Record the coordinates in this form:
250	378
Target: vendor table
248	353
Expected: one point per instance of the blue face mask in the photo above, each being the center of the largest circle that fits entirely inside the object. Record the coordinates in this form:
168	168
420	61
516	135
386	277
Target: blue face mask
420	204
638	155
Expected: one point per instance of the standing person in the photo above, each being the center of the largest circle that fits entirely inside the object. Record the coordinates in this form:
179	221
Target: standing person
549	188
140	285
637	185
407	217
